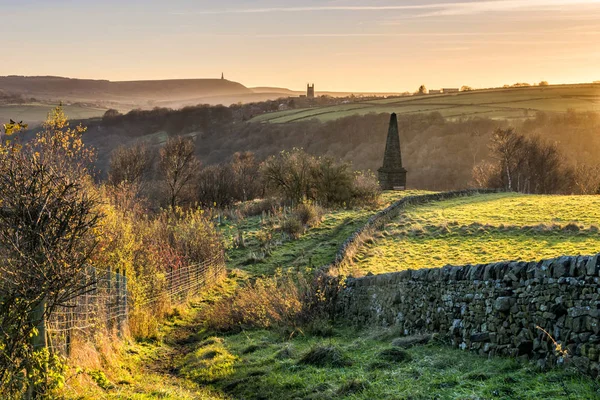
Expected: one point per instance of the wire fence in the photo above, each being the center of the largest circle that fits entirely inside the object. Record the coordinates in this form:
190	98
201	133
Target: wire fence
107	301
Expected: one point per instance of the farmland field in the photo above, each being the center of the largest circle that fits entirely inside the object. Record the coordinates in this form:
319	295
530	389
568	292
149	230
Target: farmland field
510	103
36	113
483	229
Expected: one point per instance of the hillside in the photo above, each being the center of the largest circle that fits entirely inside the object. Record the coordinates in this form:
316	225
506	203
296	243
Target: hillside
512	103
96	90
484	229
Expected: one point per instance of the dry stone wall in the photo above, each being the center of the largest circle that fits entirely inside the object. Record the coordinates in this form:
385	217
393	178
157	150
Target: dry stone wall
493	309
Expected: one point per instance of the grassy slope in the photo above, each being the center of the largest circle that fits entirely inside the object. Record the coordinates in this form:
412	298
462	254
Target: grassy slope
315	248
482	229
499	103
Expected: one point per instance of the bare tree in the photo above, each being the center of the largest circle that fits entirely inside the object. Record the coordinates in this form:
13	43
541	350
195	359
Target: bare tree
217	185
506	145
130	164
247	180
525	164
179	167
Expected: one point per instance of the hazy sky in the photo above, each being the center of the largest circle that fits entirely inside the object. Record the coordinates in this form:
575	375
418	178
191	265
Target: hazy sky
344	45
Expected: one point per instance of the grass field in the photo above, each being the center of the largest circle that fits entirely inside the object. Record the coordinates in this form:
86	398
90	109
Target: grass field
498	103
483	229
36	113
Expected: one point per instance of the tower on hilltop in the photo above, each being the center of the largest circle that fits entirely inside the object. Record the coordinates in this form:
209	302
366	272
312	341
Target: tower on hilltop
310	91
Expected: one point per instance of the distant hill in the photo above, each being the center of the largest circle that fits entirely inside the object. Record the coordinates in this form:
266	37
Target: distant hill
134	92
277	90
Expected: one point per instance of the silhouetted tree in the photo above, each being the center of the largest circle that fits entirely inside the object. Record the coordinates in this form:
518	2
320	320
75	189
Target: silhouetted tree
178	166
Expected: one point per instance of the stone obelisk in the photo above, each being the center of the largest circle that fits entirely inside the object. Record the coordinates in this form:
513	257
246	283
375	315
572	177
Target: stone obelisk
392	176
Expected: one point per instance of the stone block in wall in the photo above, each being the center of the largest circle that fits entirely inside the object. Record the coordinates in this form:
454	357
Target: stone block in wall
504	304
560	267
592	266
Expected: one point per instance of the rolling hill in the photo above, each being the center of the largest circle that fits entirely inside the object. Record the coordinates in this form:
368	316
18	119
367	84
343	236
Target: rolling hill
49	87
511	103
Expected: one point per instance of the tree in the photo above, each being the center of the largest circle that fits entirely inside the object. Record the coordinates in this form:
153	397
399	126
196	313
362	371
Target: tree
422	89
289	173
47	219
245	170
110	114
506	145
179	167
524	164
130	164
544	83
217	185
466	88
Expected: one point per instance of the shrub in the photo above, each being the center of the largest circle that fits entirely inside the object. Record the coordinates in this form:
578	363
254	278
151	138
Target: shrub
309	214
285	301
366	190
266	303
257	207
293	226
297	176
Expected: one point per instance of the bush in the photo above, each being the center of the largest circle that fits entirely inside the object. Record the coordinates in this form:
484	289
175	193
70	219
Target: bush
309	214
297	176
293	226
286	301
366	190
270	302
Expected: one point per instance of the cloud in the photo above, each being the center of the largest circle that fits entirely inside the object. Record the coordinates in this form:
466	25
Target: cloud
437	9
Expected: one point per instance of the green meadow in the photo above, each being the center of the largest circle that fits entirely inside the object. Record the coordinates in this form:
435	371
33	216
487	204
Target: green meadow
483	229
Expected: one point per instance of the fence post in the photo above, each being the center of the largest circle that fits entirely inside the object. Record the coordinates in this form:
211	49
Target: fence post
108	297
118	298
125	302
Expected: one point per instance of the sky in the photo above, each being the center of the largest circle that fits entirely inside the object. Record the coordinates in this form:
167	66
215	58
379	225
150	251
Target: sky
340	45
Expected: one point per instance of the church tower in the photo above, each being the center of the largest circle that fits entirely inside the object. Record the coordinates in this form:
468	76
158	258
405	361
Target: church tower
310	91
392	176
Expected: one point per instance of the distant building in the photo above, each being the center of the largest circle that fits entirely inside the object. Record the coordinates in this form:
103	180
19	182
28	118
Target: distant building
392	175
310	91
222	76
435	91
451	90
